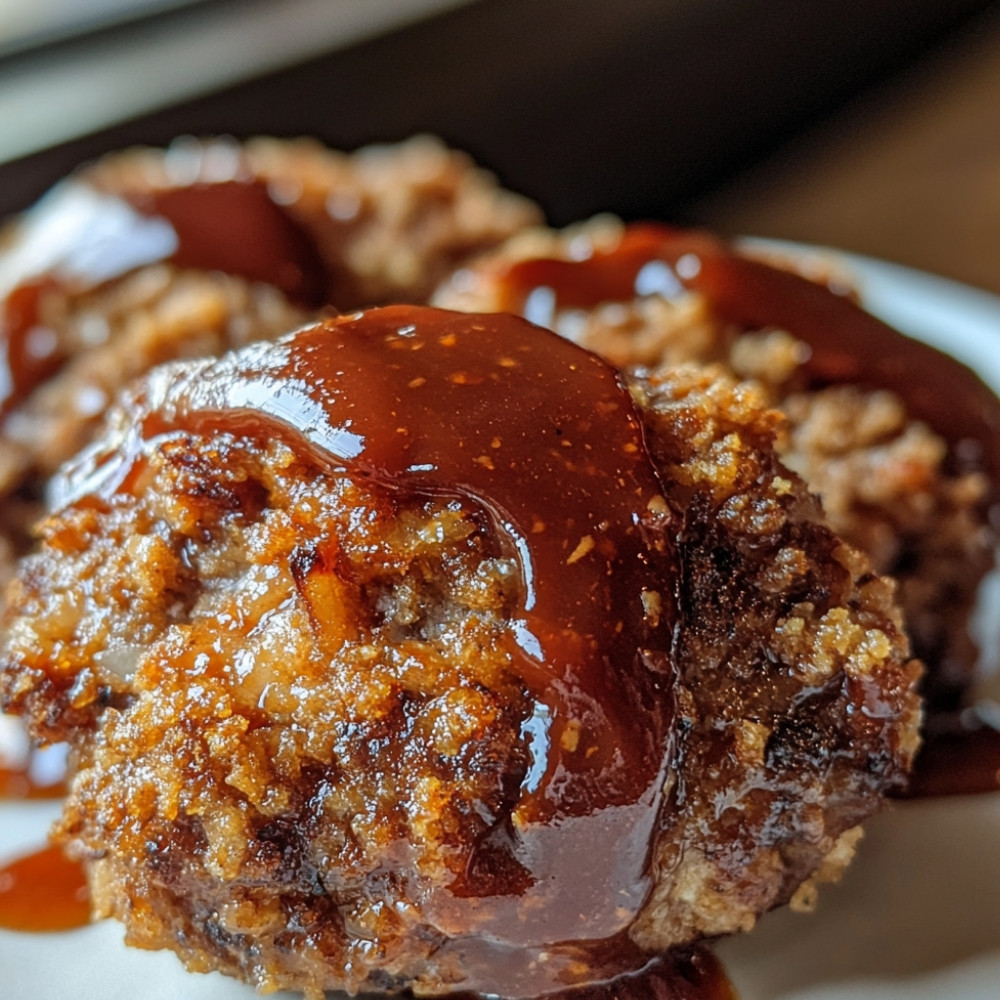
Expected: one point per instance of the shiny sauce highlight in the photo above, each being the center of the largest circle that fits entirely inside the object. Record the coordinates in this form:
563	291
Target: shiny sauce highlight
541	442
79	237
43	891
847	345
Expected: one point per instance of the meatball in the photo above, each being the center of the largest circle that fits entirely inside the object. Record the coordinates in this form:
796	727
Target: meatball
150	255
898	440
423	649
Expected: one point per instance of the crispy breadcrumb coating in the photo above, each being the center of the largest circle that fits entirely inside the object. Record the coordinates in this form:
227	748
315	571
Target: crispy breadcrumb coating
295	720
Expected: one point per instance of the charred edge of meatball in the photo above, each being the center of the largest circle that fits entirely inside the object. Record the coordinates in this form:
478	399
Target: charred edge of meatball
798	707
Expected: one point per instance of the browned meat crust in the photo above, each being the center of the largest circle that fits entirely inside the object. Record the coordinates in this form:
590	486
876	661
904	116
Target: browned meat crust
293	713
383	224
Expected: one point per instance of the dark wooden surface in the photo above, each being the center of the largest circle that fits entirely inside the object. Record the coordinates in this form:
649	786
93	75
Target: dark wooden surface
634	106
910	172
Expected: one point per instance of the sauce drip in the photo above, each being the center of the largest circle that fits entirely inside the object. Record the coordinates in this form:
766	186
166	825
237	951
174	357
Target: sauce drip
30	351
236	227
44	891
541	440
848	344
683	974
694	974
26	771
78	237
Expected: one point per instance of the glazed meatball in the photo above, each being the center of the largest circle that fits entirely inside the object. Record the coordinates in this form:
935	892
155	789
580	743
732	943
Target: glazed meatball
425	650
150	255
898	440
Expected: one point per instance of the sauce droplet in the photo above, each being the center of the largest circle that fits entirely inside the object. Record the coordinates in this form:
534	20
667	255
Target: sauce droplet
964	760
20	783
44	891
27	771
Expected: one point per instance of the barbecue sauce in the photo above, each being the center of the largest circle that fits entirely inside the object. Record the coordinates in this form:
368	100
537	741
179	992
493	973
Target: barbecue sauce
43	891
543	440
685	974
681	974
540	441
960	759
847	345
79	237
19	783
339	430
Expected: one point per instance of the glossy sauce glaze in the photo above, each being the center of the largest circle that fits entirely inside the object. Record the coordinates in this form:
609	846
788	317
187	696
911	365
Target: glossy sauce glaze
540	441
43	891
962	758
744	291
683	974
686	974
848	345
79	237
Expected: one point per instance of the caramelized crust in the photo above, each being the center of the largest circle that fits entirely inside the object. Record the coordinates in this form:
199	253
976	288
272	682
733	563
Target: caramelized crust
296	717
892	484
797	702
85	306
291	704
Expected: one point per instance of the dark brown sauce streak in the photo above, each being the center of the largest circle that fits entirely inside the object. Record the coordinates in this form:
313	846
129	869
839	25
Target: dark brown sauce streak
683	974
43	891
848	345
23	366
231	226
540	439
963	759
693	974
236	227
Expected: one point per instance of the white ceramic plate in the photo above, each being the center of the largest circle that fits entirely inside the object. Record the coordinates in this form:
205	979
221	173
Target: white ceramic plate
916	918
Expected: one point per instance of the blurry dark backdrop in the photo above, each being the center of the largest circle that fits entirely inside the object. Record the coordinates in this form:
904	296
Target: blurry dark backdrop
634	106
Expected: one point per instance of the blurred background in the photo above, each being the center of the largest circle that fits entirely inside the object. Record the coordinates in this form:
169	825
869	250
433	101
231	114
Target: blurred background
873	126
